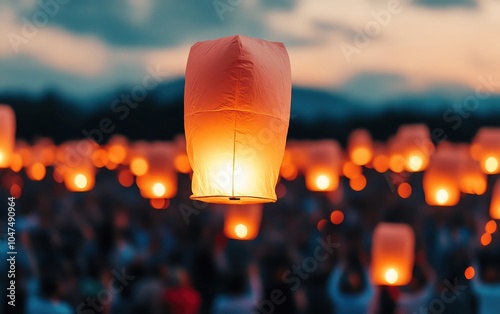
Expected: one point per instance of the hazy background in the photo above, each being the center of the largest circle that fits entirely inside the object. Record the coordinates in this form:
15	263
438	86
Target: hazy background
413	63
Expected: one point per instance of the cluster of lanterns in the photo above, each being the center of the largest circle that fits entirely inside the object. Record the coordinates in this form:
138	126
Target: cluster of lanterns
237	109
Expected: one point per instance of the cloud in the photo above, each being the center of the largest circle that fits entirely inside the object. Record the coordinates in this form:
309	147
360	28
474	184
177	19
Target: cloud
447	3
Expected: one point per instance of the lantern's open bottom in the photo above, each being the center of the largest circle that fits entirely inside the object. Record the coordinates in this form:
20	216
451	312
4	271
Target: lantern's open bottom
229	199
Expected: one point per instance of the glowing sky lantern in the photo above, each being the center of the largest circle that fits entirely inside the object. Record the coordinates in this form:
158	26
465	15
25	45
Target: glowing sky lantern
117	149
360	147
242	222
393	254
236	115
74	165
495	201
486	149
160	180
472	179
414	145
324	161
441	179
7	135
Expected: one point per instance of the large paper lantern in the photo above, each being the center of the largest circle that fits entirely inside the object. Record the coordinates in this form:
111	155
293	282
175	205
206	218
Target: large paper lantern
441	179
7	135
322	170
242	222
393	254
160	180
360	147
495	201
236	114
486	149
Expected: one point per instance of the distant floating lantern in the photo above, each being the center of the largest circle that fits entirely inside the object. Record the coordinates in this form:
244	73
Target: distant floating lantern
236	116
392	254
75	165
472	179
414	146
380	158
486	149
440	182
7	135
322	170
160	180
288	169
495	202
117	149
242	222
360	147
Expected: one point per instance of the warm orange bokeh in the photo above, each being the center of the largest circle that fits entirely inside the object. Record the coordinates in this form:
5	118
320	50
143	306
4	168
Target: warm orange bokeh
242	222
337	217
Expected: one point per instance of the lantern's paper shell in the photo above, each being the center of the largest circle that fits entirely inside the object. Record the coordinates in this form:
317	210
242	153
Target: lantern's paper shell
7	135
236	109
392	254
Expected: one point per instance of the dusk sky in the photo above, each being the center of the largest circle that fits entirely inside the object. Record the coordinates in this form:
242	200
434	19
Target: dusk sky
88	48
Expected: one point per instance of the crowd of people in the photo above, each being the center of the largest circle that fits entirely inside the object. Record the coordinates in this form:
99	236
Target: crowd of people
109	251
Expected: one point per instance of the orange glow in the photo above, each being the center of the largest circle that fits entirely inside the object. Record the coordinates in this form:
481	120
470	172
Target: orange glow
351	170
361	156
360	147
159	203
236	125
126	178
289	172
381	163
337	217
486	239
7	135
81	181
495	201
242	222
317	180
100	158
391	276
36	172
139	166
491	227
16	163
490	165
396	163
404	190
117	153
181	163
415	163
392	254
358	183
469	273
476	151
